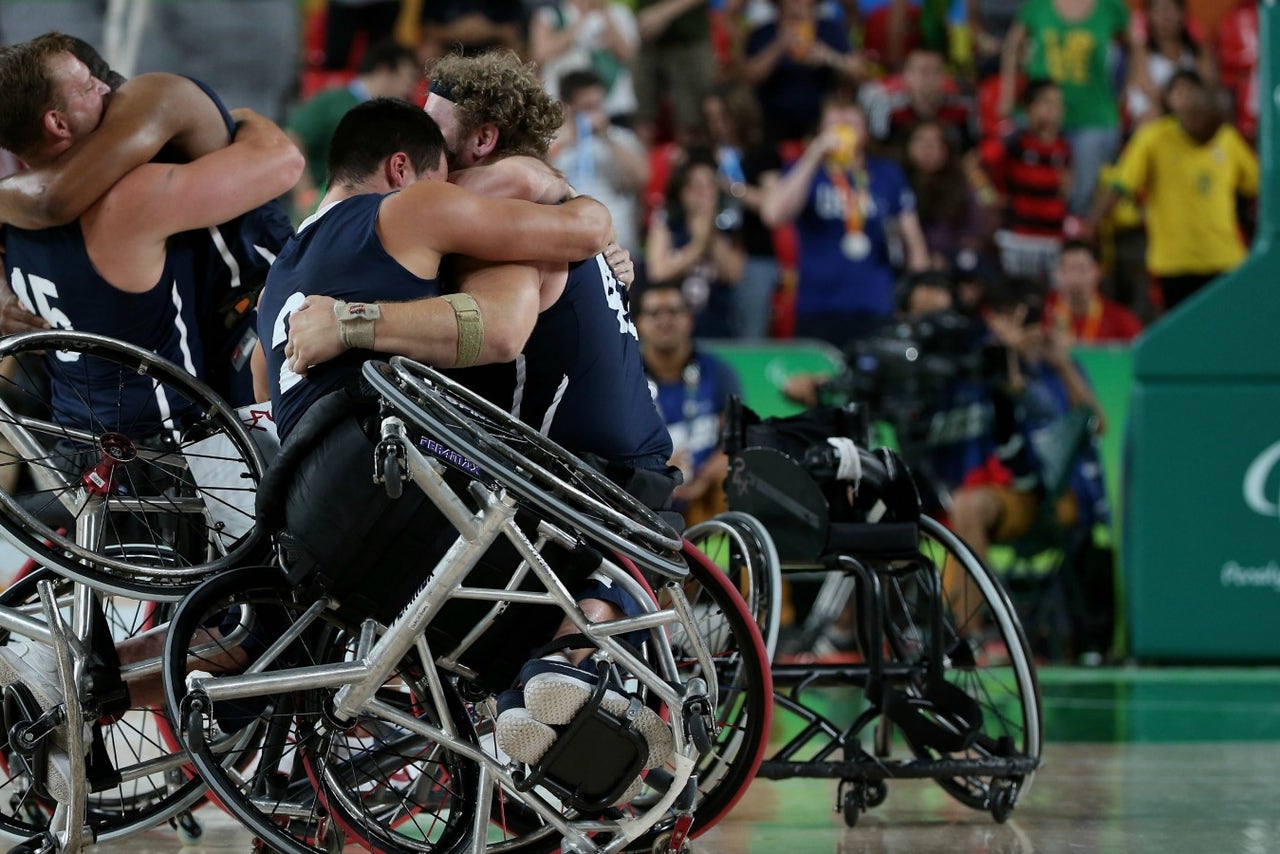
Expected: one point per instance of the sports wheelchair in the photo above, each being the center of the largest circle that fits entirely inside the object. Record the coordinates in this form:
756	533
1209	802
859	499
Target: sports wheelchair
942	662
321	725
381	730
123	514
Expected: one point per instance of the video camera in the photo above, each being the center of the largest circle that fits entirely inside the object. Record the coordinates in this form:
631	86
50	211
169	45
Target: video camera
911	368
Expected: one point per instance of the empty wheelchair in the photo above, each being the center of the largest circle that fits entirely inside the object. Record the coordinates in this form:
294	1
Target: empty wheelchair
379	723
941	668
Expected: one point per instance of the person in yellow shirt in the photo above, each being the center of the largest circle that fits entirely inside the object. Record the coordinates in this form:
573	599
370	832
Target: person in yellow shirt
1187	169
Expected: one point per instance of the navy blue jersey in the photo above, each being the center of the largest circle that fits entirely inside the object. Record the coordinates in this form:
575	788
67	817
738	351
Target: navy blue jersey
580	380
335	253
52	275
229	264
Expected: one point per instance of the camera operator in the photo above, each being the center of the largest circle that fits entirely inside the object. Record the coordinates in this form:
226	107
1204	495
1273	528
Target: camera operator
1042	388
925	377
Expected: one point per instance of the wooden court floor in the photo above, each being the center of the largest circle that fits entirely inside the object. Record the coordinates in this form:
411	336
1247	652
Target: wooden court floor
1136	760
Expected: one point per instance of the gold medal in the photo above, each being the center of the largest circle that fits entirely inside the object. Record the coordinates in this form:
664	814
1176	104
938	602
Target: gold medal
856	245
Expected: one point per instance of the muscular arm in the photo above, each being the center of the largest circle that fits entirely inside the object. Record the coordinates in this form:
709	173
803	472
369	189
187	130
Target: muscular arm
427	329
146	113
125	232
434	217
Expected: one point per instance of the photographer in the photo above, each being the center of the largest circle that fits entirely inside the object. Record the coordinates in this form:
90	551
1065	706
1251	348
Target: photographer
1043	388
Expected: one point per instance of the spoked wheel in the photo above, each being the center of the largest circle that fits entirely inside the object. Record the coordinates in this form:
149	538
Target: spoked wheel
379	783
143	477
514	454
743	550
744	703
985	655
133	742
386	785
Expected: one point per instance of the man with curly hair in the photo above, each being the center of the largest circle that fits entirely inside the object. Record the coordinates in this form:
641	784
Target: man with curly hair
592	398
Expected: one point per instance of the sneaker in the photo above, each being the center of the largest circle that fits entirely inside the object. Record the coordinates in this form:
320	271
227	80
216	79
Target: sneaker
554	691
520	736
36	667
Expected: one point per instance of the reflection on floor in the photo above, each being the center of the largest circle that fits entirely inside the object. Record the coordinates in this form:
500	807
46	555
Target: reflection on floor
1154	760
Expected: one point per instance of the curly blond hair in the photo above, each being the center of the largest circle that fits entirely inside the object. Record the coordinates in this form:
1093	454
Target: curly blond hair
498	88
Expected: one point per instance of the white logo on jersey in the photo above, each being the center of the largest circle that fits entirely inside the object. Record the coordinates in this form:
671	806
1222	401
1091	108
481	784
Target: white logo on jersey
38	295
613	295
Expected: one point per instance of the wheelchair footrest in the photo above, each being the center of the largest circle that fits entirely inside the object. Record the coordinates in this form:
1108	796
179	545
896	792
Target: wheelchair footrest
595	758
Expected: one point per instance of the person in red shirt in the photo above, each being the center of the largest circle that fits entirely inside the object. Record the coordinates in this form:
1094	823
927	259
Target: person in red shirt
1077	305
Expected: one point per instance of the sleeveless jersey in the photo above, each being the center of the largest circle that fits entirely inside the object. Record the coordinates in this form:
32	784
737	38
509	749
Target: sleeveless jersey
229	264
335	253
580	380
52	275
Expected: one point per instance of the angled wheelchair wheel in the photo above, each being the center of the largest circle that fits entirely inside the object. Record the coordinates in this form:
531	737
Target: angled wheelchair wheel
315	784
742	548
146	785
985	656
744	703
142	478
512	453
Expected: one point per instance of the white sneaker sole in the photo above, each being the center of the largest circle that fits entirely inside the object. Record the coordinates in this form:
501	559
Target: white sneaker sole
523	738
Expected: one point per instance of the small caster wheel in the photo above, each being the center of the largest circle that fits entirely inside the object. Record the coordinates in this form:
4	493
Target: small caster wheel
877	791
195	729
700	735
853	805
1003	796
189	828
391	473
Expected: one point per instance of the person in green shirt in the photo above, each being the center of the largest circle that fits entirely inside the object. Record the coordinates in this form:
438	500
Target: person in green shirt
1069	42
388	70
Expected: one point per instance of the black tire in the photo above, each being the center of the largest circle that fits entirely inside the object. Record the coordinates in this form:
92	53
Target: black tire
986	656
161	531
512	453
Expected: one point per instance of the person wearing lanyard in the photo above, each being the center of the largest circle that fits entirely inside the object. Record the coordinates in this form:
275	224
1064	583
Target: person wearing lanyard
846	206
691	389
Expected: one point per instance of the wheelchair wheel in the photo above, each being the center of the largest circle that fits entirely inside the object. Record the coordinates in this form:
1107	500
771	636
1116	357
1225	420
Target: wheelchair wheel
378	784
744	704
125	501
985	655
131	742
517	456
743	715
743	550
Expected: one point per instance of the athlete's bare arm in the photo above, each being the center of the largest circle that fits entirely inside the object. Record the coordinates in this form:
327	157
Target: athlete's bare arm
143	115
126	231
427	329
431	219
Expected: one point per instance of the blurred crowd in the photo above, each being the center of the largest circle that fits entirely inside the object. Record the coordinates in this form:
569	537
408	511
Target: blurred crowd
790	162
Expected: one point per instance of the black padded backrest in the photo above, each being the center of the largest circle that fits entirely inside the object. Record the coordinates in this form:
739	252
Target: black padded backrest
269	502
